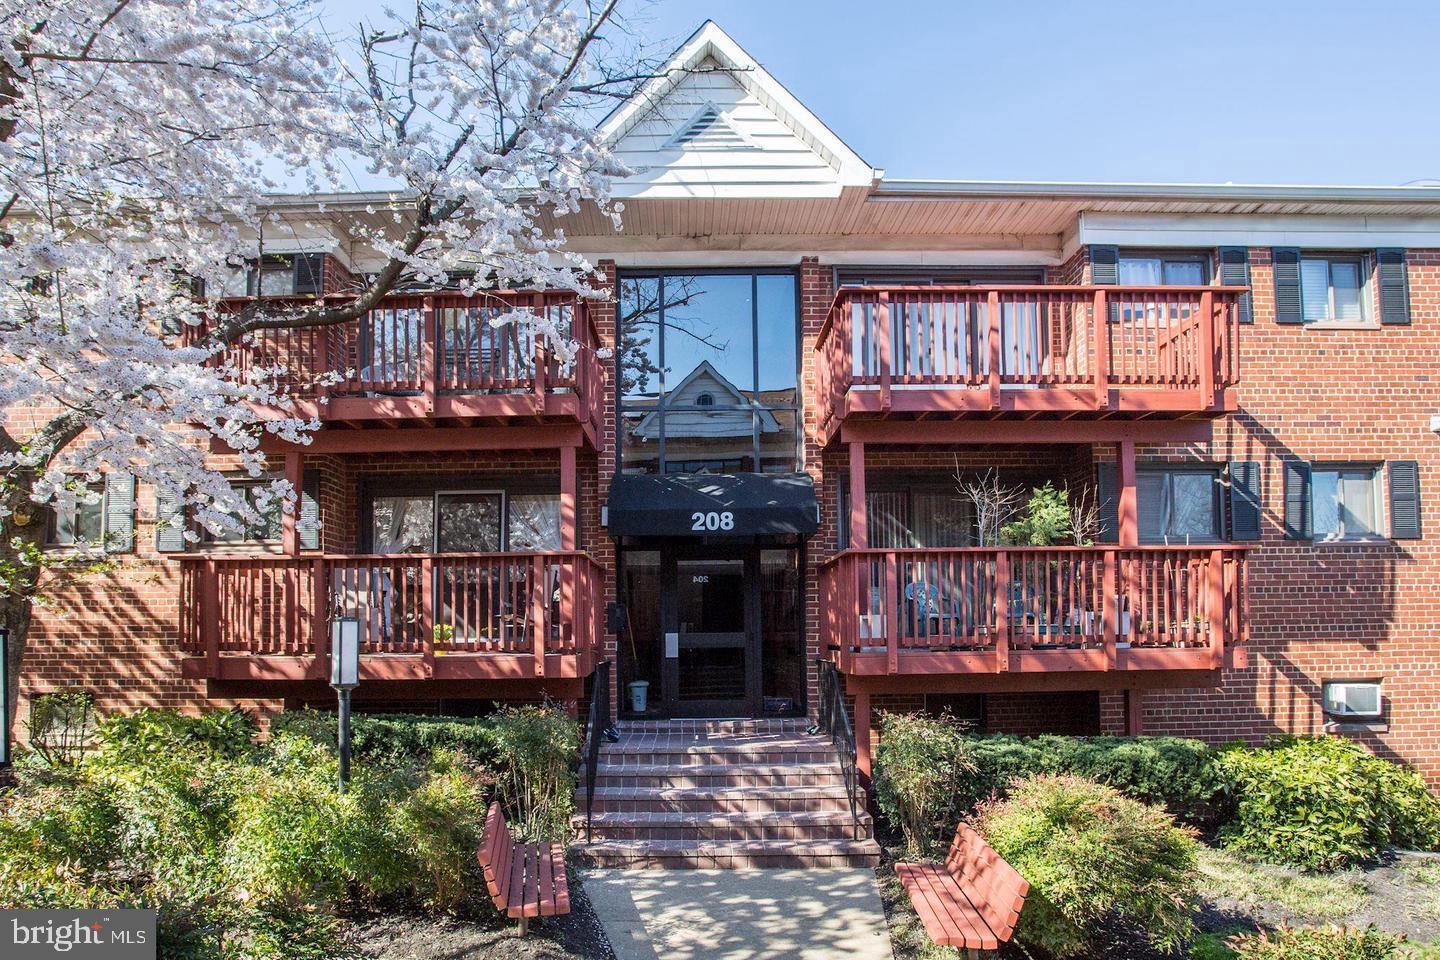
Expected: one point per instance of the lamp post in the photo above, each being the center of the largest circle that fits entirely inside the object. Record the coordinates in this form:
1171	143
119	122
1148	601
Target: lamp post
344	677
4	702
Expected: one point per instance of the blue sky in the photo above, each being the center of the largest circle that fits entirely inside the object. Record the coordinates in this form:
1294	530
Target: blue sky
1319	91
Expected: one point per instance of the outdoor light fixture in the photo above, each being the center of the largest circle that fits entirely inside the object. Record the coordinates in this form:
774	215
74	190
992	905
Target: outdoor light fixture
344	677
4	698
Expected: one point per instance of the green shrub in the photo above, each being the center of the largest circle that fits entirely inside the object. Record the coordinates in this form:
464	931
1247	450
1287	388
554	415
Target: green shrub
393	739
920	771
1321	943
439	824
1323	803
1175	772
536	750
61	727
1092	856
133	736
55	832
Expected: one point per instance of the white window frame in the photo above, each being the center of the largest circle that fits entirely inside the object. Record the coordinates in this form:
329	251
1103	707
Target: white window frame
1377	502
1346	715
77	544
1365	268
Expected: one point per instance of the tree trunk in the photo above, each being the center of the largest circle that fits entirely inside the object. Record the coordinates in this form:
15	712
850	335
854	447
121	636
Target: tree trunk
19	565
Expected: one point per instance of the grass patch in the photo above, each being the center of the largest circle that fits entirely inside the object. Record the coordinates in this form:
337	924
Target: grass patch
1310	896
1425	876
1211	946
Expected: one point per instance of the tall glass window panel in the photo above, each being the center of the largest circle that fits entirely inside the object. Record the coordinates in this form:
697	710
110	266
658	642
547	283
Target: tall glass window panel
534	521
404	524
1315	289
469	522
1345	279
639	353
709	334
779	439
777	339
82	524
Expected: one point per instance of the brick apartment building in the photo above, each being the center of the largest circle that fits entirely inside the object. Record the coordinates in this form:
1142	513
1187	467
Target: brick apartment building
763	473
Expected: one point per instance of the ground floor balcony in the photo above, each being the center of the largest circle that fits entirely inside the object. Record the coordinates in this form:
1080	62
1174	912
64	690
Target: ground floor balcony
451	616
1019	610
1027	351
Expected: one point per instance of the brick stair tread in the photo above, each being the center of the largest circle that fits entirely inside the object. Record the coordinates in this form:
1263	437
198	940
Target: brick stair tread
718	745
698	819
730	848
834	791
799	768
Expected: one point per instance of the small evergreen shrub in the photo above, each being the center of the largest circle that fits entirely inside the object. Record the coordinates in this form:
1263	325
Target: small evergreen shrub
1319	943
439	825
1322	803
921	768
535	757
393	739
1093	857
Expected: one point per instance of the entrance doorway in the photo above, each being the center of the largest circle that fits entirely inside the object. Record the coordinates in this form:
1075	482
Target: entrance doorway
715	631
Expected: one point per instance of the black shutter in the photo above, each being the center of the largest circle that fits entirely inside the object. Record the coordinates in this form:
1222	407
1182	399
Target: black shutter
1394	285
1107	497
1404	499
1150	493
309	519
1235	272
1286	261
169	523
1245	500
1104	264
1297	500
309	274
119	512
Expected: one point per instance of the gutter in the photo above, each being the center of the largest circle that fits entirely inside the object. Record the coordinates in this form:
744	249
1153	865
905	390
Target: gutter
1062	190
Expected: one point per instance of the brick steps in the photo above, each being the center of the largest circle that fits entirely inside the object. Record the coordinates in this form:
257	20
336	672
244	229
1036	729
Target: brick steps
726	793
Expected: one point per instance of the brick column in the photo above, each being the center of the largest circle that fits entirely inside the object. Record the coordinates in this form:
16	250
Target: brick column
817	289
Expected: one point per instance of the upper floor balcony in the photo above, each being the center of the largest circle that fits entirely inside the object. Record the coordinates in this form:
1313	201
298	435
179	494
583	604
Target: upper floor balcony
997	351
438	357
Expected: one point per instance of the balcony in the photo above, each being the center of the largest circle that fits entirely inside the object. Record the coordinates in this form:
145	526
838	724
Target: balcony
1030	610
474	616
1022	351
437	357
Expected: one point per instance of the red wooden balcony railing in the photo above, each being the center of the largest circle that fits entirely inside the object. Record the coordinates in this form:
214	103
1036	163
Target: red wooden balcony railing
517	610
919	349
436	355
986	609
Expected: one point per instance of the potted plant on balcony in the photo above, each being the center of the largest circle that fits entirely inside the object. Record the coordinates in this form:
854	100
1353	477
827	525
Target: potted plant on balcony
1052	517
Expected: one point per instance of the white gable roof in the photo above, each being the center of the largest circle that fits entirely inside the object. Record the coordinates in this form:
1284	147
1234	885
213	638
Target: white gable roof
714	124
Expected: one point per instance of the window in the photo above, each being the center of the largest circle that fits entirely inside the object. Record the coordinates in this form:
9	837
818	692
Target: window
277	275
266	529
1353	700
1142	269
708	371
1178	505
80	525
467	521
917	515
1332	289
1345	502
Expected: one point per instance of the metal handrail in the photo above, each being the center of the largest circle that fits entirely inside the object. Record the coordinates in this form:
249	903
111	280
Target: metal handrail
833	718
596	726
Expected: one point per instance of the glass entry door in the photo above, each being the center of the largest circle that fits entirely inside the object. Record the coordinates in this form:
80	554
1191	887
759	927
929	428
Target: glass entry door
711	664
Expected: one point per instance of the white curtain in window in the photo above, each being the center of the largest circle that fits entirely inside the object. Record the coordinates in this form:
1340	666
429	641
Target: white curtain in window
1183	273
402	524
1357	502
1140	271
534	522
1315	289
1345	276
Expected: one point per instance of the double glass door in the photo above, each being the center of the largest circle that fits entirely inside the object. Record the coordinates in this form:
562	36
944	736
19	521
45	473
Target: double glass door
711	665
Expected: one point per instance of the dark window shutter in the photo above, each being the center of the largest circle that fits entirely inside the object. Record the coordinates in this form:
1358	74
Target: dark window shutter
1394	285
169	523
309	273
119	512
1104	264
309	520
1286	261
1107	496
1150	494
1404	499
1297	500
1235	272
1244	500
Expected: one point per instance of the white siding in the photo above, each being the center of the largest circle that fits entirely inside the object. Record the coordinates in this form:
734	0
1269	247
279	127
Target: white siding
772	162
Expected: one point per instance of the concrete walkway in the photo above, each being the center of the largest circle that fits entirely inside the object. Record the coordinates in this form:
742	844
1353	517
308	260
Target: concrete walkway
740	914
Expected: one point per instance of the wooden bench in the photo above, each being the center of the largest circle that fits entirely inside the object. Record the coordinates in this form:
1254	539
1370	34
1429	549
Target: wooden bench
525	879
972	900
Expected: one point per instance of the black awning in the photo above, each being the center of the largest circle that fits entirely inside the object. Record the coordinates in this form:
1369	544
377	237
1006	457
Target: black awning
713	505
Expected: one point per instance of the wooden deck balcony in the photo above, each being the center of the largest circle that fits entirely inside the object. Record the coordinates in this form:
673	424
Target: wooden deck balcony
420	359
1023	351
476	616
1018	610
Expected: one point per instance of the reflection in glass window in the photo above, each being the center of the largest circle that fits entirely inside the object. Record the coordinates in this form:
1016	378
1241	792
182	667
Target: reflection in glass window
708	371
469	522
1345	502
1178	506
403	524
534	521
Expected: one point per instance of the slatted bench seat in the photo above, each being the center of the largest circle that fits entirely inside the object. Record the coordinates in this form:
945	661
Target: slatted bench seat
972	900
525	879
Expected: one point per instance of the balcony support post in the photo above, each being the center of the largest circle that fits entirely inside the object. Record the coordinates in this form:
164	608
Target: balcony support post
430	337
294	475
1101	318
859	522
892	612
427	614
539	629
570	609
992	324
1207	350
1109	608
882	336
569	483
1215	607
320	620
1129	532
542	361
210	617
862	732
322	359
1002	611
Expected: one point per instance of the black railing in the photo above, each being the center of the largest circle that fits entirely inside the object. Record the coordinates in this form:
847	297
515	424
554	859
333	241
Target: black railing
597	728
834	719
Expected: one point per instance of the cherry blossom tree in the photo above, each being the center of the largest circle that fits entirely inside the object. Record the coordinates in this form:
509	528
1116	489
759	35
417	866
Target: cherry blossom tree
142	143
